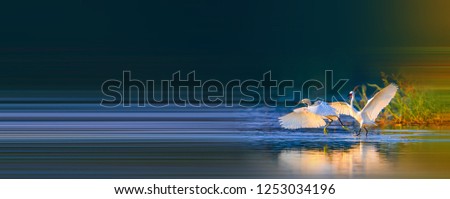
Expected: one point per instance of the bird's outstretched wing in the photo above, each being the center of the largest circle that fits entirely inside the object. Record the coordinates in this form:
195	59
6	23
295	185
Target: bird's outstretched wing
378	102
301	118
322	108
342	108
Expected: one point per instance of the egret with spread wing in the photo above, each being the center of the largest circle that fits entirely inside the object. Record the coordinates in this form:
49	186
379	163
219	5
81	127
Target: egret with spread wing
366	117
311	116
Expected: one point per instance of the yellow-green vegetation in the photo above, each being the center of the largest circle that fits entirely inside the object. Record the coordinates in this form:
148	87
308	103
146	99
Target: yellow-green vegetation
412	105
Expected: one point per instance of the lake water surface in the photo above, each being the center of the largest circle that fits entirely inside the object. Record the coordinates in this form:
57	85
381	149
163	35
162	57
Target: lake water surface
88	141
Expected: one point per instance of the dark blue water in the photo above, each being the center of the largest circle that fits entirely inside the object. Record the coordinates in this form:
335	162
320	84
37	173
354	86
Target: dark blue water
88	141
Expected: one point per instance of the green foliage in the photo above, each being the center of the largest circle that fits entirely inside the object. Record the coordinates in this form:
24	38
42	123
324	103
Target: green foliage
411	105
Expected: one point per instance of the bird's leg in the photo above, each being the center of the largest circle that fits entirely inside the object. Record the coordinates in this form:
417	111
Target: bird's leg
325	131
366	131
343	126
359	132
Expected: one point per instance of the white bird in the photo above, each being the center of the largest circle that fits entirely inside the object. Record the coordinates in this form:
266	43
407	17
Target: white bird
366	117
311	116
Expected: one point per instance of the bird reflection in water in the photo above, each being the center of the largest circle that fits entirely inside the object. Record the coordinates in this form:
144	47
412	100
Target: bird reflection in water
361	160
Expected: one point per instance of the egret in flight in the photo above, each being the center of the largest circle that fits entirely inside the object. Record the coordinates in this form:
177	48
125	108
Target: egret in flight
366	117
312	116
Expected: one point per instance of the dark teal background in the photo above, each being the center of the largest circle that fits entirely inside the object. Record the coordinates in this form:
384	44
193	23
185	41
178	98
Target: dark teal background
76	45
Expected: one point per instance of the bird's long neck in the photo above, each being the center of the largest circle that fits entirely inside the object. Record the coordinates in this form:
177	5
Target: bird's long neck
351	100
356	114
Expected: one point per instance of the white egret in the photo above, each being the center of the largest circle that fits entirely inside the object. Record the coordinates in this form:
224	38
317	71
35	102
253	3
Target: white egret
325	110
366	117
311	116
